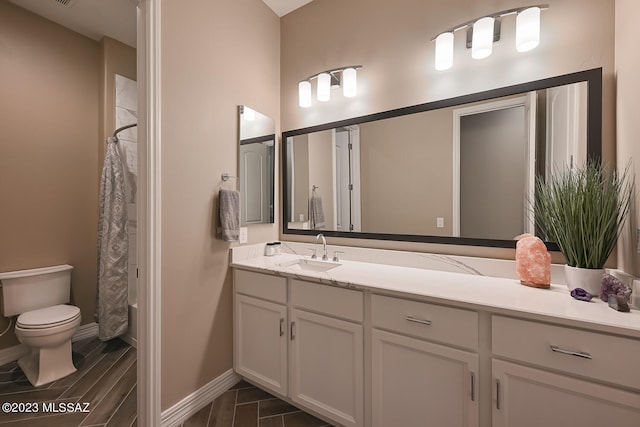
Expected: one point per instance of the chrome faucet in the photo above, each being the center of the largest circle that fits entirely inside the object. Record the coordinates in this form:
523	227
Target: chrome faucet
324	246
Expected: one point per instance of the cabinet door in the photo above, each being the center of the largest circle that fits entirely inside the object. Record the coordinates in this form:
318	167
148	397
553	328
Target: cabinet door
418	383
528	397
260	341
327	366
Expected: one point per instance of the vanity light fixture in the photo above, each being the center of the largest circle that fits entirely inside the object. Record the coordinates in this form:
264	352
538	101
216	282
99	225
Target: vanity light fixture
345	77
483	32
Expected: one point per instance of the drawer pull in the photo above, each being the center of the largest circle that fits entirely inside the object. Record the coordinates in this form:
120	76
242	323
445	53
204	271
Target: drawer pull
281	327
571	353
473	387
293	330
498	394
421	321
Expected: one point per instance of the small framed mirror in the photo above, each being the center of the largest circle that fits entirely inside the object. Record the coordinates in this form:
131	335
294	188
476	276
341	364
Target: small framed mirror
256	154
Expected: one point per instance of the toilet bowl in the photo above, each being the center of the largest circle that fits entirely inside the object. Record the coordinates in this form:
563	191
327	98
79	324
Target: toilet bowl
47	332
45	324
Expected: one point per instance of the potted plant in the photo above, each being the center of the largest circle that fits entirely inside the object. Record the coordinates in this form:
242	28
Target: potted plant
582	210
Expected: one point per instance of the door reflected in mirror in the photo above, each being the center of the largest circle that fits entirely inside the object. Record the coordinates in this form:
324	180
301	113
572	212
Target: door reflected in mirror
256	157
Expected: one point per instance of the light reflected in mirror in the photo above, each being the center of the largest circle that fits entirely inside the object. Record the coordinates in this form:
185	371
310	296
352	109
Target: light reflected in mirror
457	174
256	158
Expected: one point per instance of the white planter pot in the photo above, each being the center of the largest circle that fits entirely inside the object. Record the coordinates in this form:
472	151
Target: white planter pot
588	279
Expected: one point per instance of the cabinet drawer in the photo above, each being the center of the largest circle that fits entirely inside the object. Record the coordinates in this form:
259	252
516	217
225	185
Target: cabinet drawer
265	286
344	303
588	354
430	321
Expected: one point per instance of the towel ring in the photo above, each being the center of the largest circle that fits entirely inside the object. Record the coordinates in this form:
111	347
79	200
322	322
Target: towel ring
226	176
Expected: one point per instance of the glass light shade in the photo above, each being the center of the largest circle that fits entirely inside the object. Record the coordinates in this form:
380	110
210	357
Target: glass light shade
482	42
324	87
248	114
444	51
528	29
349	82
304	94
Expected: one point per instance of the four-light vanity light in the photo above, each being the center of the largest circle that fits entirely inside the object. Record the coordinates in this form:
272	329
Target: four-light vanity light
483	32
327	80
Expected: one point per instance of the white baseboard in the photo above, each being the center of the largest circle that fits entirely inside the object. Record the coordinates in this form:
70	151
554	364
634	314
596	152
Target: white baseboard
11	354
89	330
130	340
197	400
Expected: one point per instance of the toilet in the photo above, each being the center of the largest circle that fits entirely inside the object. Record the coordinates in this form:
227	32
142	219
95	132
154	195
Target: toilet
45	322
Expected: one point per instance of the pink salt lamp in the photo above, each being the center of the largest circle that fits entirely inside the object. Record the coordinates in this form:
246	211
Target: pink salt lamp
533	262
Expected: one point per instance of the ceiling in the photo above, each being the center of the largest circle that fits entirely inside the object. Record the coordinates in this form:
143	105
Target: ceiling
282	7
113	18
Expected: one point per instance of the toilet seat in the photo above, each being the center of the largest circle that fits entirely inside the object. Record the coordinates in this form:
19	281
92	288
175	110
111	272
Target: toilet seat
49	317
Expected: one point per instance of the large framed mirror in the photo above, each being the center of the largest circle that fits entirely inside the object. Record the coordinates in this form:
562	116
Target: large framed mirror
455	171
256	154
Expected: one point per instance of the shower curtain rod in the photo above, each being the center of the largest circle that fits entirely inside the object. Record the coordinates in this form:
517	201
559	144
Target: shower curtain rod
120	129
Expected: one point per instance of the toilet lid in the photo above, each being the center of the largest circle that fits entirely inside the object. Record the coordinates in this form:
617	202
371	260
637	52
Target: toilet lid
48	317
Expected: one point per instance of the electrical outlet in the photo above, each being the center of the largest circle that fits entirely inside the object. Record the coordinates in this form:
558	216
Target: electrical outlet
440	222
244	234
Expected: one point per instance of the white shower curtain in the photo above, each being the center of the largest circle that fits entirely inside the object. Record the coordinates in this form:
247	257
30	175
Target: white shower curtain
113	247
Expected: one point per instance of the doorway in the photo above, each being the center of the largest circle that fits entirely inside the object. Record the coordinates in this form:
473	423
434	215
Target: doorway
347	179
495	137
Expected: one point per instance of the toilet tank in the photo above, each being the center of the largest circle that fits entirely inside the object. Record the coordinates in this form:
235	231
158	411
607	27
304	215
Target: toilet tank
27	290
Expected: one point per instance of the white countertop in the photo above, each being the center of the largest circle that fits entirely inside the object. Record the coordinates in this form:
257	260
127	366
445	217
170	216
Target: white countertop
492	294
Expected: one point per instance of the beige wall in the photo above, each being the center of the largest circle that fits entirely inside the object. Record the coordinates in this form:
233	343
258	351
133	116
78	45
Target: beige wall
215	56
48	152
320	165
406	174
628	90
391	40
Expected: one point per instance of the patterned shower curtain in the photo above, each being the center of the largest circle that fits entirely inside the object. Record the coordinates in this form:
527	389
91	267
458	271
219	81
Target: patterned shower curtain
113	248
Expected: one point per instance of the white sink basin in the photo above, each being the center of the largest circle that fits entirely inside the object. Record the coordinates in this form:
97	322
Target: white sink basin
304	264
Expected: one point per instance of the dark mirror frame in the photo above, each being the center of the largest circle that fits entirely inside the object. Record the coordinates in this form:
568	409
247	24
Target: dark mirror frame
593	78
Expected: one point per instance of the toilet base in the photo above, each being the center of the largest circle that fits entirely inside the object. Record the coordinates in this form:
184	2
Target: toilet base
47	364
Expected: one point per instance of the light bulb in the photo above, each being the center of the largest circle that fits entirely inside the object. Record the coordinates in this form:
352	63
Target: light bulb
324	87
304	94
482	42
248	114
444	51
528	29
349	82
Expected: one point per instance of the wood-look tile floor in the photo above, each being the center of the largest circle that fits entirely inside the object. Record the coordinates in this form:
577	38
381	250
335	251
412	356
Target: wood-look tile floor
105	380
247	406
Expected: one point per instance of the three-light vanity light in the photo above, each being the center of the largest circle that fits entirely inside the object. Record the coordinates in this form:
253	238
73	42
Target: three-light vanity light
345	77
483	32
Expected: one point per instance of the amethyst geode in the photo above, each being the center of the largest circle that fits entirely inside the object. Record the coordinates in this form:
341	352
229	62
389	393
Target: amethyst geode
613	286
581	294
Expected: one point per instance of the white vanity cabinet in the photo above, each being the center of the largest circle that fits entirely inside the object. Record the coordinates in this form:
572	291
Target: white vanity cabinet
326	352
305	344
260	326
569	382
416	382
383	357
